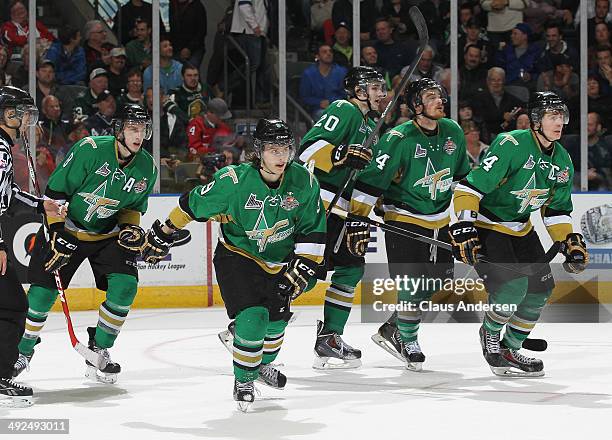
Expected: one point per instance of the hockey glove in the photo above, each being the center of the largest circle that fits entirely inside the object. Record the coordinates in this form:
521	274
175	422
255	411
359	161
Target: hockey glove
296	275
62	245
354	156
131	237
465	242
576	254
156	244
357	237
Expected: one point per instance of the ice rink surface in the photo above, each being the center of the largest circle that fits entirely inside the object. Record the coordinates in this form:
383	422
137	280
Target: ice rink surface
177	384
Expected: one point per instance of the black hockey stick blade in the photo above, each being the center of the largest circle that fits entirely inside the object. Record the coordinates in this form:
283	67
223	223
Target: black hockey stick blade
535	344
180	237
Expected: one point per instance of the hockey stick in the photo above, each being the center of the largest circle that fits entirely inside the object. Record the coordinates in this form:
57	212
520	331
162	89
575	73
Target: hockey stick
530	270
91	356
421	26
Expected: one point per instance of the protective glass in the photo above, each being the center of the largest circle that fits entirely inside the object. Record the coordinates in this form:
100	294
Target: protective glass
144	126
28	114
557	112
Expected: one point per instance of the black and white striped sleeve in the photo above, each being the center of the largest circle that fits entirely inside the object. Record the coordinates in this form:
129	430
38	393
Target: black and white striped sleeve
6	176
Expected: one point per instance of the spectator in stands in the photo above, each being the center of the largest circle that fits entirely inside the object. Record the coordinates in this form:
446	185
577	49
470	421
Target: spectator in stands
522	120
172	130
85	101
117	71
397	12
392	55
55	129
15	32
369	57
203	130
555	44
5	78
473	75
562	80
426	68
343	51
188	30
45	81
97	48
101	122
598	103
343	11
519	58
474	36
191	97
132	94
602	35
68	57
495	105
138	50
466	15
603	70
599	154
322	83
476	149
170	70
20	75
602	15
502	16
124	21
540	12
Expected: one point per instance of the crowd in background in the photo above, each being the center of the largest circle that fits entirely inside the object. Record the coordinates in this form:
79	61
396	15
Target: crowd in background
508	49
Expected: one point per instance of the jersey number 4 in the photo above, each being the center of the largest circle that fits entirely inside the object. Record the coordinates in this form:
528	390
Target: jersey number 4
330	124
488	162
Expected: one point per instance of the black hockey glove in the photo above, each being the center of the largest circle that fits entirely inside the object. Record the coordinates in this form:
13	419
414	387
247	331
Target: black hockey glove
62	245
354	156
465	242
296	277
156	244
357	237
131	237
576	254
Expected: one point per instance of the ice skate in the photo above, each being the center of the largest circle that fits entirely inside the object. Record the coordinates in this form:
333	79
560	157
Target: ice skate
271	376
331	352
244	394
109	373
413	356
388	338
521	365
15	395
227	336
22	363
491	350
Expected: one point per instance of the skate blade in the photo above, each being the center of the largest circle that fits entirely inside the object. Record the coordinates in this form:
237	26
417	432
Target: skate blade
227	339
328	363
387	346
414	366
513	372
17	402
95	375
244	406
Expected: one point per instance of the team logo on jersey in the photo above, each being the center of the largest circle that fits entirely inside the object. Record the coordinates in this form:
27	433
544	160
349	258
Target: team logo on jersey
435	180
98	203
118	174
253	203
544	164
289	202
563	176
141	185
530	196
264	234
104	170
419	151
449	146
530	163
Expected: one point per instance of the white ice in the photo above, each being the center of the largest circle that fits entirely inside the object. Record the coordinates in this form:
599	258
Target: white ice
177	384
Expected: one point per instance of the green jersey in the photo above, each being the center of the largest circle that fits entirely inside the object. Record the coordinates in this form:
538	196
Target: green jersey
341	124
515	178
101	193
263	223
414	172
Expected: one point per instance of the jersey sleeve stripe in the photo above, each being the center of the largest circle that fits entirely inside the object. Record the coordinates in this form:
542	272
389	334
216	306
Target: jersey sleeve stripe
321	152
465	187
316	249
313	237
557	219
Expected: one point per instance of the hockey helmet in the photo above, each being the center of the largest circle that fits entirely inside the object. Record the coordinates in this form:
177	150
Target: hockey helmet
361	76
543	102
135	114
273	131
21	101
414	92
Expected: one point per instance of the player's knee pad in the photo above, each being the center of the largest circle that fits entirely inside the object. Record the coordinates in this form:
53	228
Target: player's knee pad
41	299
252	323
122	289
348	275
276	327
511	292
534	302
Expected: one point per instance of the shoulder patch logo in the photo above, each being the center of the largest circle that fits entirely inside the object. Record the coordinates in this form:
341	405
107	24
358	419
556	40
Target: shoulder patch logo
563	176
253	203
419	151
104	170
449	146
141	185
530	163
289	202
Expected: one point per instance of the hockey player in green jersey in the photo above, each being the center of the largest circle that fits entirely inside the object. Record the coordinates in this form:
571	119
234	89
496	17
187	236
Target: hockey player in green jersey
414	166
272	239
523	170
334	146
106	180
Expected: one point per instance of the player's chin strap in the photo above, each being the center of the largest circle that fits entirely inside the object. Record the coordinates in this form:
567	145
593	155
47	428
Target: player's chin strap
541	132
372	113
130	156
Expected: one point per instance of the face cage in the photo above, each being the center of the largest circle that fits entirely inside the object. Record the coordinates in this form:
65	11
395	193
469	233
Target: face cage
538	114
259	145
120	126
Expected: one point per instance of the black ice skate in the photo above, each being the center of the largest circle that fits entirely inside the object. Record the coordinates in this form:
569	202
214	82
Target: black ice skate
522	366
227	337
271	376
330	346
109	373
22	363
413	356
16	395
244	394
491	350
388	338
